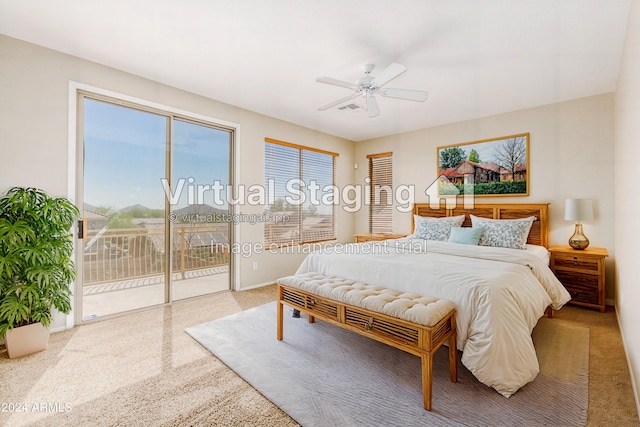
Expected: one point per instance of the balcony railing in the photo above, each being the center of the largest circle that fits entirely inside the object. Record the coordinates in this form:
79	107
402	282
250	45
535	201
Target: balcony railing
129	253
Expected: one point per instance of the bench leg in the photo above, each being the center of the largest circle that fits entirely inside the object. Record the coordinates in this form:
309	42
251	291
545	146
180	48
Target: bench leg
453	358
279	320
427	376
312	319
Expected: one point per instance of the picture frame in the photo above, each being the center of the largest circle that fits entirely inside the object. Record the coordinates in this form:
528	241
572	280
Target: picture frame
488	167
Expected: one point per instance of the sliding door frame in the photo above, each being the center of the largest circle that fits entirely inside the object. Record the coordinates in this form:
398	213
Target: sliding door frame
77	92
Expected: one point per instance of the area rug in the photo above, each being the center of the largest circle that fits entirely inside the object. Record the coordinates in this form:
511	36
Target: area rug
322	375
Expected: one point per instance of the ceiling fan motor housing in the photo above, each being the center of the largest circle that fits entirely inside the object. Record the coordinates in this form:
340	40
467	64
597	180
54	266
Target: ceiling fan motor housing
365	82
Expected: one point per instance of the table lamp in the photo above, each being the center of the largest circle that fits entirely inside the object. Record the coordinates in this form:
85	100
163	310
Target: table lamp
578	210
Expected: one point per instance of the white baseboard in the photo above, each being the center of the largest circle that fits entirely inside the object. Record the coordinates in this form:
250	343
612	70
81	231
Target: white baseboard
634	386
259	285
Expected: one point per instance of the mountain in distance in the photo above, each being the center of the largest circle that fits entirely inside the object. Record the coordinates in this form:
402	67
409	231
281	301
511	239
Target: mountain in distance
202	210
140	211
136	207
87	207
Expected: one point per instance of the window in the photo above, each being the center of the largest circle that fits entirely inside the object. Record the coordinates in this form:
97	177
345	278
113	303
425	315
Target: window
381	199
299	182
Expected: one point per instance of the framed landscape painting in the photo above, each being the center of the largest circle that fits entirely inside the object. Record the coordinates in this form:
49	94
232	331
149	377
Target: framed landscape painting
490	167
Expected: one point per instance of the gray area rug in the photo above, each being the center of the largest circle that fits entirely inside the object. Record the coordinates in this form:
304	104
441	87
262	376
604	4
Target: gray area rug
322	375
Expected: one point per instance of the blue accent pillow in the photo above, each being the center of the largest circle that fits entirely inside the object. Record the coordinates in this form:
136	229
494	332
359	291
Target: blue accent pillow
465	235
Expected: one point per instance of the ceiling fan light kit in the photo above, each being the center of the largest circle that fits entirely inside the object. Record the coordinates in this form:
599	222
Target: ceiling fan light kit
368	86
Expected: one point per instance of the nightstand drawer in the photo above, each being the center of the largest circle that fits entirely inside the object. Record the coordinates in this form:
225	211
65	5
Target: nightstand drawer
576	262
582	287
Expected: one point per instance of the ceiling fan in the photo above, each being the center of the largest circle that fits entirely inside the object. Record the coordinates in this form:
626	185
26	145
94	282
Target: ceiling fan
368	86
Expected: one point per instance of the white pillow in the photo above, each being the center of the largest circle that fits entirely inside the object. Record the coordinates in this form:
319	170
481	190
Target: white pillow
435	228
503	233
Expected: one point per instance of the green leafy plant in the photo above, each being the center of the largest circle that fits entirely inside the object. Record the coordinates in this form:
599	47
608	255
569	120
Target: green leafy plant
35	257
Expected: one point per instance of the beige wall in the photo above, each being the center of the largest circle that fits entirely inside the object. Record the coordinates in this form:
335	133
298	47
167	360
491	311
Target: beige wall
34	92
571	150
627	153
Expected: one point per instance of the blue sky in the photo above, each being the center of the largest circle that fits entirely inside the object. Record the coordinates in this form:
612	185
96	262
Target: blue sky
124	155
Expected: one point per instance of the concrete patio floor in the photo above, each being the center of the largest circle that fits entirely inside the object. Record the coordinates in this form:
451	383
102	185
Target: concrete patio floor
116	297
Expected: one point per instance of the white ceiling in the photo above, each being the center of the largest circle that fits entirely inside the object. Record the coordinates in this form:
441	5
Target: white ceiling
475	57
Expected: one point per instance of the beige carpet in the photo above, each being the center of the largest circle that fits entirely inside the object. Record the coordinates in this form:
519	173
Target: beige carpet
137	370
143	369
322	375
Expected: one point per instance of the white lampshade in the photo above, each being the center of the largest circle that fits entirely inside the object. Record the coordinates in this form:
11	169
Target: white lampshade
578	210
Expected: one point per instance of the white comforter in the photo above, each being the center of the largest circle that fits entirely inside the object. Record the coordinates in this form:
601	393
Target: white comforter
499	295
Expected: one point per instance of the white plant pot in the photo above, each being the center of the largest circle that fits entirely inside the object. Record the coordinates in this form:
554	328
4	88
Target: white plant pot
26	340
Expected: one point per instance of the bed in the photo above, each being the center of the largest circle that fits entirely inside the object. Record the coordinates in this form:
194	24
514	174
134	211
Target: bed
500	293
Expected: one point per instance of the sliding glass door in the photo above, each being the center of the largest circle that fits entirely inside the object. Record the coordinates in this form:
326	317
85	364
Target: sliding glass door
145	241
200	222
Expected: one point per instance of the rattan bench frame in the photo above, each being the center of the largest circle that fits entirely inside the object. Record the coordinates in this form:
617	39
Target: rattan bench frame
419	340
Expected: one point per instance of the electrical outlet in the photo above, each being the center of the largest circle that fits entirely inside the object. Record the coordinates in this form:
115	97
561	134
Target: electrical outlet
255	265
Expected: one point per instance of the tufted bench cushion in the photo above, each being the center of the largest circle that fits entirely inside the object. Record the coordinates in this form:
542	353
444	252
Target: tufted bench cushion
402	305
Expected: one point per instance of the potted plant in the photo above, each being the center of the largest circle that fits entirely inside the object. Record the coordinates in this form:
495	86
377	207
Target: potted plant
36	268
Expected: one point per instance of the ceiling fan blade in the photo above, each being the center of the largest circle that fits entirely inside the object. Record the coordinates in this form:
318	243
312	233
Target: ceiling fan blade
408	94
389	73
336	82
372	106
338	102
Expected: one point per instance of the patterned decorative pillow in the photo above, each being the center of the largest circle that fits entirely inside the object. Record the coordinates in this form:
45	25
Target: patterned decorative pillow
435	228
503	233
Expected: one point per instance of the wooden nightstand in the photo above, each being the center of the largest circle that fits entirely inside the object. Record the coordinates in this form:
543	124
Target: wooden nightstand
582	273
368	237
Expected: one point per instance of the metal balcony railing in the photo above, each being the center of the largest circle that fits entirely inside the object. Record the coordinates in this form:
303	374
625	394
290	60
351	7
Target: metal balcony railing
131	253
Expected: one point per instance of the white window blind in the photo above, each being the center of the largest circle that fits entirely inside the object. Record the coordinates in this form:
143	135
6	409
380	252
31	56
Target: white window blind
381	199
296	179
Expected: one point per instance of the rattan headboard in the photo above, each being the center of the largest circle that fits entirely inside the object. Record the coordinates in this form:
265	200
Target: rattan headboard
539	234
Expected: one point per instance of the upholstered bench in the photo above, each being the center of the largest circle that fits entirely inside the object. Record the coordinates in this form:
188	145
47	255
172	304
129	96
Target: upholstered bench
410	322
